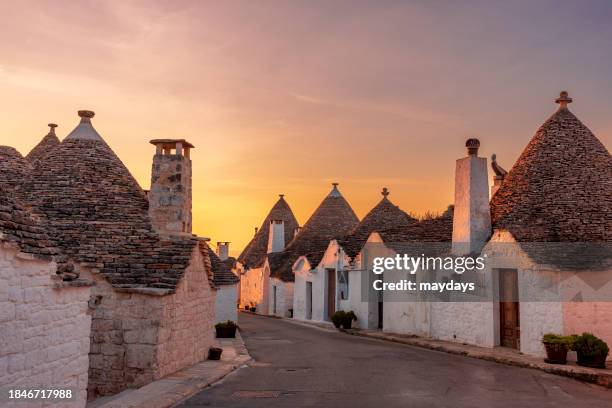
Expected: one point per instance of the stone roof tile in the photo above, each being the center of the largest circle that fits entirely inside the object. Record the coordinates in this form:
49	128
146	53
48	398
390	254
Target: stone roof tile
333	219
383	216
255	252
47	144
560	188
98	214
222	270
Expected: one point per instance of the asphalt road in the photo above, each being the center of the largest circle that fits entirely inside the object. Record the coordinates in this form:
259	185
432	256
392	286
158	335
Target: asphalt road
297	366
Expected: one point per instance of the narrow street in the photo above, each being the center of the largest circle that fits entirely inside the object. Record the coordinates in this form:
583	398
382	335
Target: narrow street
297	366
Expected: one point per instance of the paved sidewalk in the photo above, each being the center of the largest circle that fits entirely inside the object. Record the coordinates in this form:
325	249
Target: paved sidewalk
501	355
174	388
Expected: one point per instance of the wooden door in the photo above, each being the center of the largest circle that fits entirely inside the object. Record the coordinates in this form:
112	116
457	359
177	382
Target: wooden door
510	334
331	292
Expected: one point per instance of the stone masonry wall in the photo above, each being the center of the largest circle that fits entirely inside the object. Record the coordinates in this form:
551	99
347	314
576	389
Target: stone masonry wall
44	332
138	337
186	329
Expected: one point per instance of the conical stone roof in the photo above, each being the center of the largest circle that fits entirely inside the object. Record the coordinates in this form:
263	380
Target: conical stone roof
45	145
222	270
13	168
560	188
383	216
254	253
333	219
18	227
99	214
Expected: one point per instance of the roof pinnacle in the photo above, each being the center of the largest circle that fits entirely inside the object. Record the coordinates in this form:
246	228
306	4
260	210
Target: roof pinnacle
385	192
563	100
52	127
281	195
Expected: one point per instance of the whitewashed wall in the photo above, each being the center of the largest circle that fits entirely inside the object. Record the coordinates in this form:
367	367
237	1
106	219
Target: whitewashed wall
284	297
225	304
44	332
252	284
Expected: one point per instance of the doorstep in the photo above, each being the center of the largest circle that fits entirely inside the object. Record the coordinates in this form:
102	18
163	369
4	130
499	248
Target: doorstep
501	355
174	388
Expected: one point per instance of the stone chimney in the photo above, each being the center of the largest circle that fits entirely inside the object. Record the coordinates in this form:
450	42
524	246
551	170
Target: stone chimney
223	250
170	194
276	239
472	216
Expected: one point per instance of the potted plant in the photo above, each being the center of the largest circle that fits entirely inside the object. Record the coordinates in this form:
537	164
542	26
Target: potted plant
337	318
253	309
214	353
347	320
556	348
246	307
591	350
226	330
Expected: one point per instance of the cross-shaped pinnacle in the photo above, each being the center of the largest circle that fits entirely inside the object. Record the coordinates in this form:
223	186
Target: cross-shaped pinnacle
563	100
385	192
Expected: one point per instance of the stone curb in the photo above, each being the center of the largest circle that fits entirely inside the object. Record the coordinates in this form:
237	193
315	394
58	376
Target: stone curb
591	375
177	387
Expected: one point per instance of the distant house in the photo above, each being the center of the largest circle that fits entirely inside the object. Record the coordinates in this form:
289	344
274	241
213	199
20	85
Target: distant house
333	219
333	284
277	230
225	281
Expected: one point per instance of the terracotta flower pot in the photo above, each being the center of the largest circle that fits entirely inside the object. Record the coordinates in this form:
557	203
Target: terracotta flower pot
214	353
556	353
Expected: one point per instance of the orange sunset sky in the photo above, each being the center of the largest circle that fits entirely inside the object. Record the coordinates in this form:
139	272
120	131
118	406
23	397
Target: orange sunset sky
288	96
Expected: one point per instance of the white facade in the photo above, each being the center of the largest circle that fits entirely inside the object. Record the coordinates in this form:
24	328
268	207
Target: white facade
44	330
280	297
226	300
312	290
253	283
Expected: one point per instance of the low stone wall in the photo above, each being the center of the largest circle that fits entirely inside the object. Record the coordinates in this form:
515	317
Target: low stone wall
44	328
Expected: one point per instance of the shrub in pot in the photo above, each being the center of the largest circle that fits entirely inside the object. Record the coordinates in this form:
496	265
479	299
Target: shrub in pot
338	318
556	348
252	308
347	320
226	330
591	350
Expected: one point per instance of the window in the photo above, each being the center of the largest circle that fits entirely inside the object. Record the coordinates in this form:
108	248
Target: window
343	284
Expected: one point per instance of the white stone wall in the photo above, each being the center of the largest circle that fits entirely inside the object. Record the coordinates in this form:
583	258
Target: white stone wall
44	332
463	322
225	304
252	286
302	276
187	326
284	297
